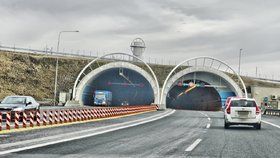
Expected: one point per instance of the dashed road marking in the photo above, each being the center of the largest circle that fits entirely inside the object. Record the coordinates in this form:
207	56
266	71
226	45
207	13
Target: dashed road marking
208	126
193	145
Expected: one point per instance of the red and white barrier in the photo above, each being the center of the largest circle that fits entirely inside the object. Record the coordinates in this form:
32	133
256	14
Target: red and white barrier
56	117
38	118
61	116
24	119
50	117
8	120
32	118
16	120
45	117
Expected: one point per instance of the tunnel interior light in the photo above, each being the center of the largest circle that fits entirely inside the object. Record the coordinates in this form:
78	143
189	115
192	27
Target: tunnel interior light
126	84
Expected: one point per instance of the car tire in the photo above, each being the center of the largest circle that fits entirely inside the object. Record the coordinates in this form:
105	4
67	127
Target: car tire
226	125
258	126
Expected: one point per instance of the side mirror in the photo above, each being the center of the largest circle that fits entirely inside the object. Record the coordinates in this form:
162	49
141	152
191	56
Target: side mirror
29	103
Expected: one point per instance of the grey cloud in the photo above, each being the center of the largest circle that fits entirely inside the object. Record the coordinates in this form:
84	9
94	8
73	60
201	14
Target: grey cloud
174	29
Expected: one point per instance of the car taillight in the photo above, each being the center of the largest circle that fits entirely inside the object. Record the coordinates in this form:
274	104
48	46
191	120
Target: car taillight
258	110
228	109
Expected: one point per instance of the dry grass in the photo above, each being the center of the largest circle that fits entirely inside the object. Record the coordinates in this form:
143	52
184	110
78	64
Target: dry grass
33	74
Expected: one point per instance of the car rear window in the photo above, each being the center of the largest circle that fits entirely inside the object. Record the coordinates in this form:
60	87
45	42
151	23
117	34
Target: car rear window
243	103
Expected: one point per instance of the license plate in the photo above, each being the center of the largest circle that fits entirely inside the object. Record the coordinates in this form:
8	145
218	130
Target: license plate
243	112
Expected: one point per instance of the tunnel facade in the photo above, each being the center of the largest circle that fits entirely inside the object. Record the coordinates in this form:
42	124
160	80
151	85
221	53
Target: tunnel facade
211	90
129	84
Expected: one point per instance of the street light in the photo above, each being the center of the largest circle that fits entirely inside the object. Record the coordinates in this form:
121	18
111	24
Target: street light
56	66
240	51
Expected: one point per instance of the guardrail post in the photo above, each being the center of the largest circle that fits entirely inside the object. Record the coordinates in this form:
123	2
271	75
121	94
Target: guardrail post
61	117
51	119
78	113
31	120
8	120
56	116
44	118
65	115
16	120
74	115
70	115
38	118
24	119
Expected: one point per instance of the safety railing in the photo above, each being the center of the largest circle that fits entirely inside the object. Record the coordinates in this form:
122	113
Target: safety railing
28	119
272	112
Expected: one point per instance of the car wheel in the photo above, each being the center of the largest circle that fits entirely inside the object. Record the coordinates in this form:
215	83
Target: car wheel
258	126
226	125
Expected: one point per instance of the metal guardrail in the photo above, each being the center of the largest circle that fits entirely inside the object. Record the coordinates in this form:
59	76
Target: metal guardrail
272	112
80	55
44	52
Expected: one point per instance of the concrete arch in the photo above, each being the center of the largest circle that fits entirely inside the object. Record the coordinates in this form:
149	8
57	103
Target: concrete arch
170	80
184	72
104	57
87	79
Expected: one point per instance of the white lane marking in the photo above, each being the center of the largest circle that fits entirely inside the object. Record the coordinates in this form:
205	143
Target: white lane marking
209	119
88	135
272	124
205	115
194	144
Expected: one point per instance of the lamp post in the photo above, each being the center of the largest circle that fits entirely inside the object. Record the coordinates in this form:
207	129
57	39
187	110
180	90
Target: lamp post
240	51
56	66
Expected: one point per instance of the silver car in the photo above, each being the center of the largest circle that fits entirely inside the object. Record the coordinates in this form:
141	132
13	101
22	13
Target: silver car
18	104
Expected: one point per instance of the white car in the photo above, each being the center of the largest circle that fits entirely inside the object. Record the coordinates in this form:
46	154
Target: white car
242	111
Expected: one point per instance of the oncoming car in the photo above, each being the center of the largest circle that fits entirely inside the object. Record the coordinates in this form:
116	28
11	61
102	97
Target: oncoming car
19	104
242	111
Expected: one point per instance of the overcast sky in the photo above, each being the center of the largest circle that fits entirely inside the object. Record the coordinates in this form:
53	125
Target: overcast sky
172	29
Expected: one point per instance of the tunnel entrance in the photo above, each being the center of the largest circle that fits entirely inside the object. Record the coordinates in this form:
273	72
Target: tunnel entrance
127	83
128	87
198	88
189	96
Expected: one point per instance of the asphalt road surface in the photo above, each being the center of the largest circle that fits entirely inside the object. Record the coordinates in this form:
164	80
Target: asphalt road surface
182	134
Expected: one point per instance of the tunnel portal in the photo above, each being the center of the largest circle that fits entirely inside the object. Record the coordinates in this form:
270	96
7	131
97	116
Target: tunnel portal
194	98
128	87
199	90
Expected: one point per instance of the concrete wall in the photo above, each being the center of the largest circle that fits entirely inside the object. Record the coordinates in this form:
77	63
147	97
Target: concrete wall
259	92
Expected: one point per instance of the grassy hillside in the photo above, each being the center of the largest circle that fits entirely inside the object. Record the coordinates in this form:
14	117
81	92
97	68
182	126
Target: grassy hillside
33	74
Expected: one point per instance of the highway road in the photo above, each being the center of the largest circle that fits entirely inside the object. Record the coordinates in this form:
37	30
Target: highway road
182	134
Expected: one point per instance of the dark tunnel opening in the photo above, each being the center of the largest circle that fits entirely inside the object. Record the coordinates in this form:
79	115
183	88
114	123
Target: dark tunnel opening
194	98
127	87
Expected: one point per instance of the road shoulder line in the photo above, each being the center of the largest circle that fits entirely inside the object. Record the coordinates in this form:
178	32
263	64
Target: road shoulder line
272	124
